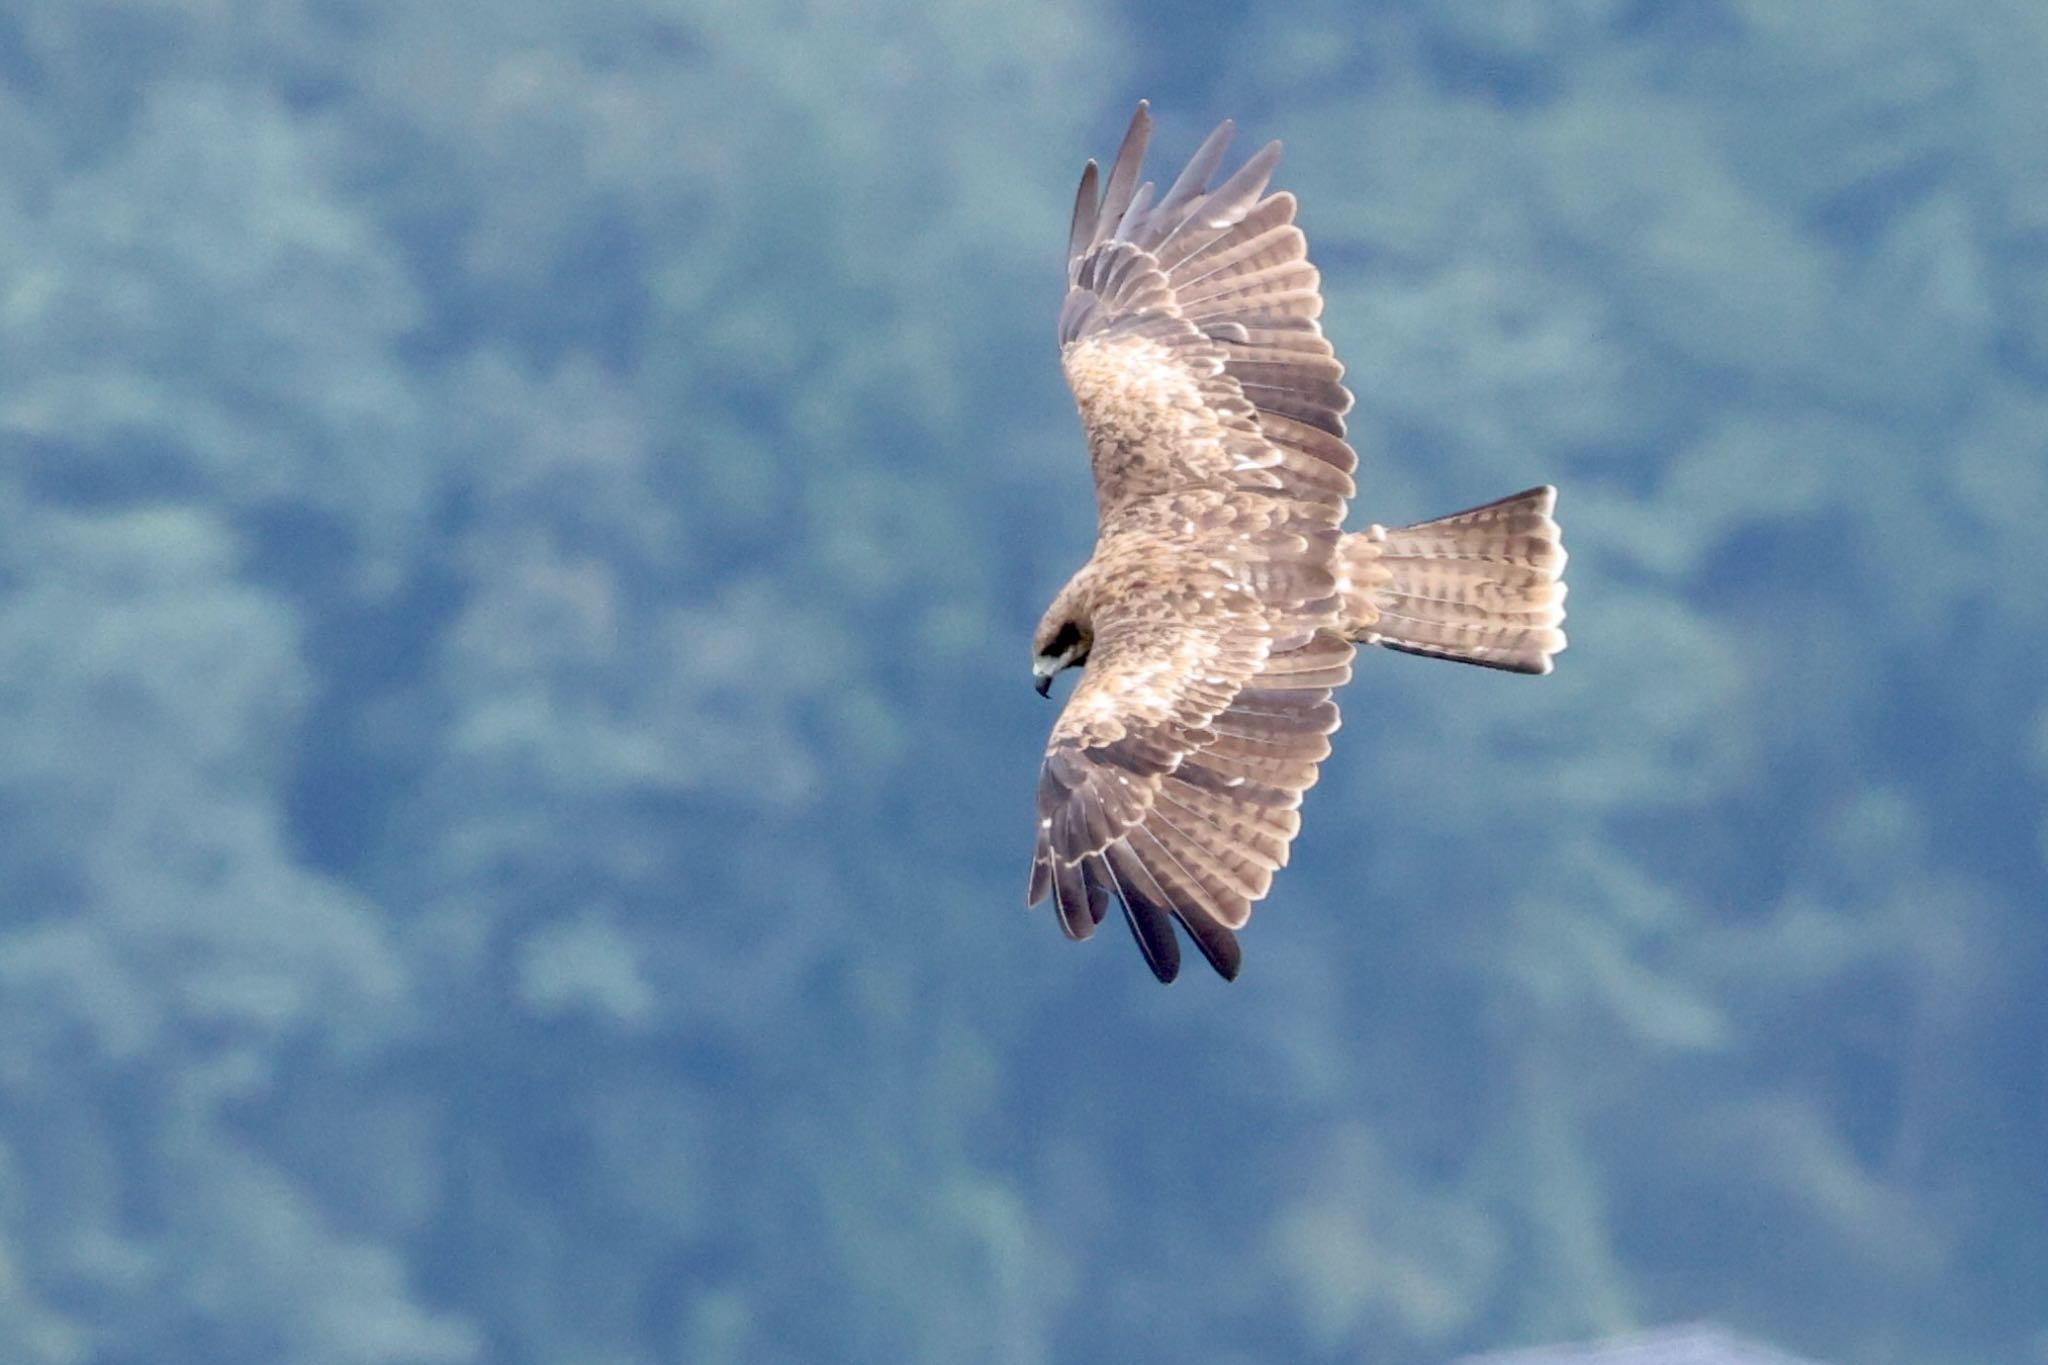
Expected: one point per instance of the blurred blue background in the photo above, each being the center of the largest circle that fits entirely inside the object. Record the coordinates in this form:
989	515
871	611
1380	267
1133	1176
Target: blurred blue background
519	531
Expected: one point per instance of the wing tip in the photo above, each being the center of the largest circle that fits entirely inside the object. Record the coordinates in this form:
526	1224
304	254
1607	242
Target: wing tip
1087	208
1166	969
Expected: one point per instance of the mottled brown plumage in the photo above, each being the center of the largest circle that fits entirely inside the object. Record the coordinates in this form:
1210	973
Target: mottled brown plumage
1217	614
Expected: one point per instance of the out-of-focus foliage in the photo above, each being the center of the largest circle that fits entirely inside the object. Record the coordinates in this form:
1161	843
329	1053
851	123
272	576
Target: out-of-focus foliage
518	531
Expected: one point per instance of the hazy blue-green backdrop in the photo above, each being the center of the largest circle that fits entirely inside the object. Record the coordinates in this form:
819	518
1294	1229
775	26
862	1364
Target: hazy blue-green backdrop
520	525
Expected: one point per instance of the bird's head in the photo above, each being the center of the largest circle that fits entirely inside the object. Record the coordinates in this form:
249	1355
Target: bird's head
1061	642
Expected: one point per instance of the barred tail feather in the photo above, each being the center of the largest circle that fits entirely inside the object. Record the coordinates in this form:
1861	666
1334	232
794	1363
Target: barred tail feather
1483	586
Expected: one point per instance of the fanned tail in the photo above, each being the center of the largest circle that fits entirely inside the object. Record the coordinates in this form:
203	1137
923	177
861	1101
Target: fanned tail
1481	587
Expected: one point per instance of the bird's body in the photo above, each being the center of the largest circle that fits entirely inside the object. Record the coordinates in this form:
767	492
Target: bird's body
1219	609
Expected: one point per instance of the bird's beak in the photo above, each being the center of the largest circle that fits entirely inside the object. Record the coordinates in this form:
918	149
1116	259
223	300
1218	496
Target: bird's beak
1045	684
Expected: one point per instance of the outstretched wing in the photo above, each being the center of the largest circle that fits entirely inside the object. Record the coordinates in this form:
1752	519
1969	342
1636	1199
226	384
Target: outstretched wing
1173	780
1189	337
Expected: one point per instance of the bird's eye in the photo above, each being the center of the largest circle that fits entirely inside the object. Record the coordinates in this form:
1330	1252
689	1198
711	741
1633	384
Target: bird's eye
1064	641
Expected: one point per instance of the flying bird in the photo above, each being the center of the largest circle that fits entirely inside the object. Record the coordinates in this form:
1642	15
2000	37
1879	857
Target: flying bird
1221	605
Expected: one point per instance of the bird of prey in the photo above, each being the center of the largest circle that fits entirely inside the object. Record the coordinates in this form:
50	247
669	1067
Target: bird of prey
1222	602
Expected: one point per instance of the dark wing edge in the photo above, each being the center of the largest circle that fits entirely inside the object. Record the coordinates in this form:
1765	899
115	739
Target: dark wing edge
1186	823
1221	278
